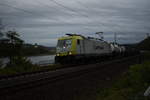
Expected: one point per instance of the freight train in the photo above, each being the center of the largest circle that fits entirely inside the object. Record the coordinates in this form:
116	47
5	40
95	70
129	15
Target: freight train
78	48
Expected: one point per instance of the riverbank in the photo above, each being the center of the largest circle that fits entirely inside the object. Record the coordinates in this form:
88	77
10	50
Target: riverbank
39	60
26	67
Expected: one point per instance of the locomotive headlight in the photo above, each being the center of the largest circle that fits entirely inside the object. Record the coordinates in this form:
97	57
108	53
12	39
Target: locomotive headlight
57	54
64	47
70	53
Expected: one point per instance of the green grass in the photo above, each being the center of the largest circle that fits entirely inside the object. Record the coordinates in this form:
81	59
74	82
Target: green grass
1	64
130	86
146	56
26	68
22	65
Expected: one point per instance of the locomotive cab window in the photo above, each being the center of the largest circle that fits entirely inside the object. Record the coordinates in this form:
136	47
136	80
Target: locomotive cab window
78	41
64	43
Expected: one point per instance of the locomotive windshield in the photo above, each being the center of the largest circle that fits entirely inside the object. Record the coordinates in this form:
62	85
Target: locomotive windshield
64	43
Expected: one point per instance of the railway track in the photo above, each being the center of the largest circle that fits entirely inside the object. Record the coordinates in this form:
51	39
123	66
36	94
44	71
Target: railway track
18	83
7	77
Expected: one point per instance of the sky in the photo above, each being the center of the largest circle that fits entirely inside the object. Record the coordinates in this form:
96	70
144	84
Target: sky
44	21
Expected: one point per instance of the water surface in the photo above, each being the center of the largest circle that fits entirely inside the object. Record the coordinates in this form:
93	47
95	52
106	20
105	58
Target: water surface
40	60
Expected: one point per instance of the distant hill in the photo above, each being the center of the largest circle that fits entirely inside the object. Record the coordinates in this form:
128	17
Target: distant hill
27	50
134	45
31	50
145	44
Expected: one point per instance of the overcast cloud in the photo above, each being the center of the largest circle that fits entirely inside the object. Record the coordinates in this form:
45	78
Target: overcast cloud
43	21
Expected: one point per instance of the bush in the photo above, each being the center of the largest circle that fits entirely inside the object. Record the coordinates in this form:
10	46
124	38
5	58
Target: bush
19	61
131	86
22	65
19	65
140	74
1	64
146	56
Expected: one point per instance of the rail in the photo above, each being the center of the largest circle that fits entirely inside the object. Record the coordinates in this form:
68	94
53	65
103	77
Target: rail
52	75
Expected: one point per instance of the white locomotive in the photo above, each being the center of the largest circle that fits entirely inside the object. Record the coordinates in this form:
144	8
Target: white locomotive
76	47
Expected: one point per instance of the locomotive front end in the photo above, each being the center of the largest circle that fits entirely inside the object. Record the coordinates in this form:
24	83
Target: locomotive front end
66	49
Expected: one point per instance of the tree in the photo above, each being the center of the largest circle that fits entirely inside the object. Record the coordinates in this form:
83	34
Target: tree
14	37
1	34
15	46
1	28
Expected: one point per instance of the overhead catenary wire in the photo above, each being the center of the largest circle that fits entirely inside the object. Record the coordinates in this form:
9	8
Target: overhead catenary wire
114	27
68	8
85	6
62	5
72	10
33	13
29	12
50	7
79	2
23	10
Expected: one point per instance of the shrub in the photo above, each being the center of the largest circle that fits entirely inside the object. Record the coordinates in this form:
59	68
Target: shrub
140	74
131	86
1	64
19	65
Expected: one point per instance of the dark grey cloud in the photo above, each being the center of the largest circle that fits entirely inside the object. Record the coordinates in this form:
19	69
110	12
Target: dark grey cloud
44	21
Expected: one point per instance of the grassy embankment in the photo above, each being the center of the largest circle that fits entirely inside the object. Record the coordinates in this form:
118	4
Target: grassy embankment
22	66
131	85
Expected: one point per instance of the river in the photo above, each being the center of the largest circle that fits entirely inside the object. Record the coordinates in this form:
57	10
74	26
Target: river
40	60
47	59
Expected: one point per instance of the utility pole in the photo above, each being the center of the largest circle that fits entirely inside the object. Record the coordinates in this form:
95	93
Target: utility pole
115	38
0	25
1	28
147	35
